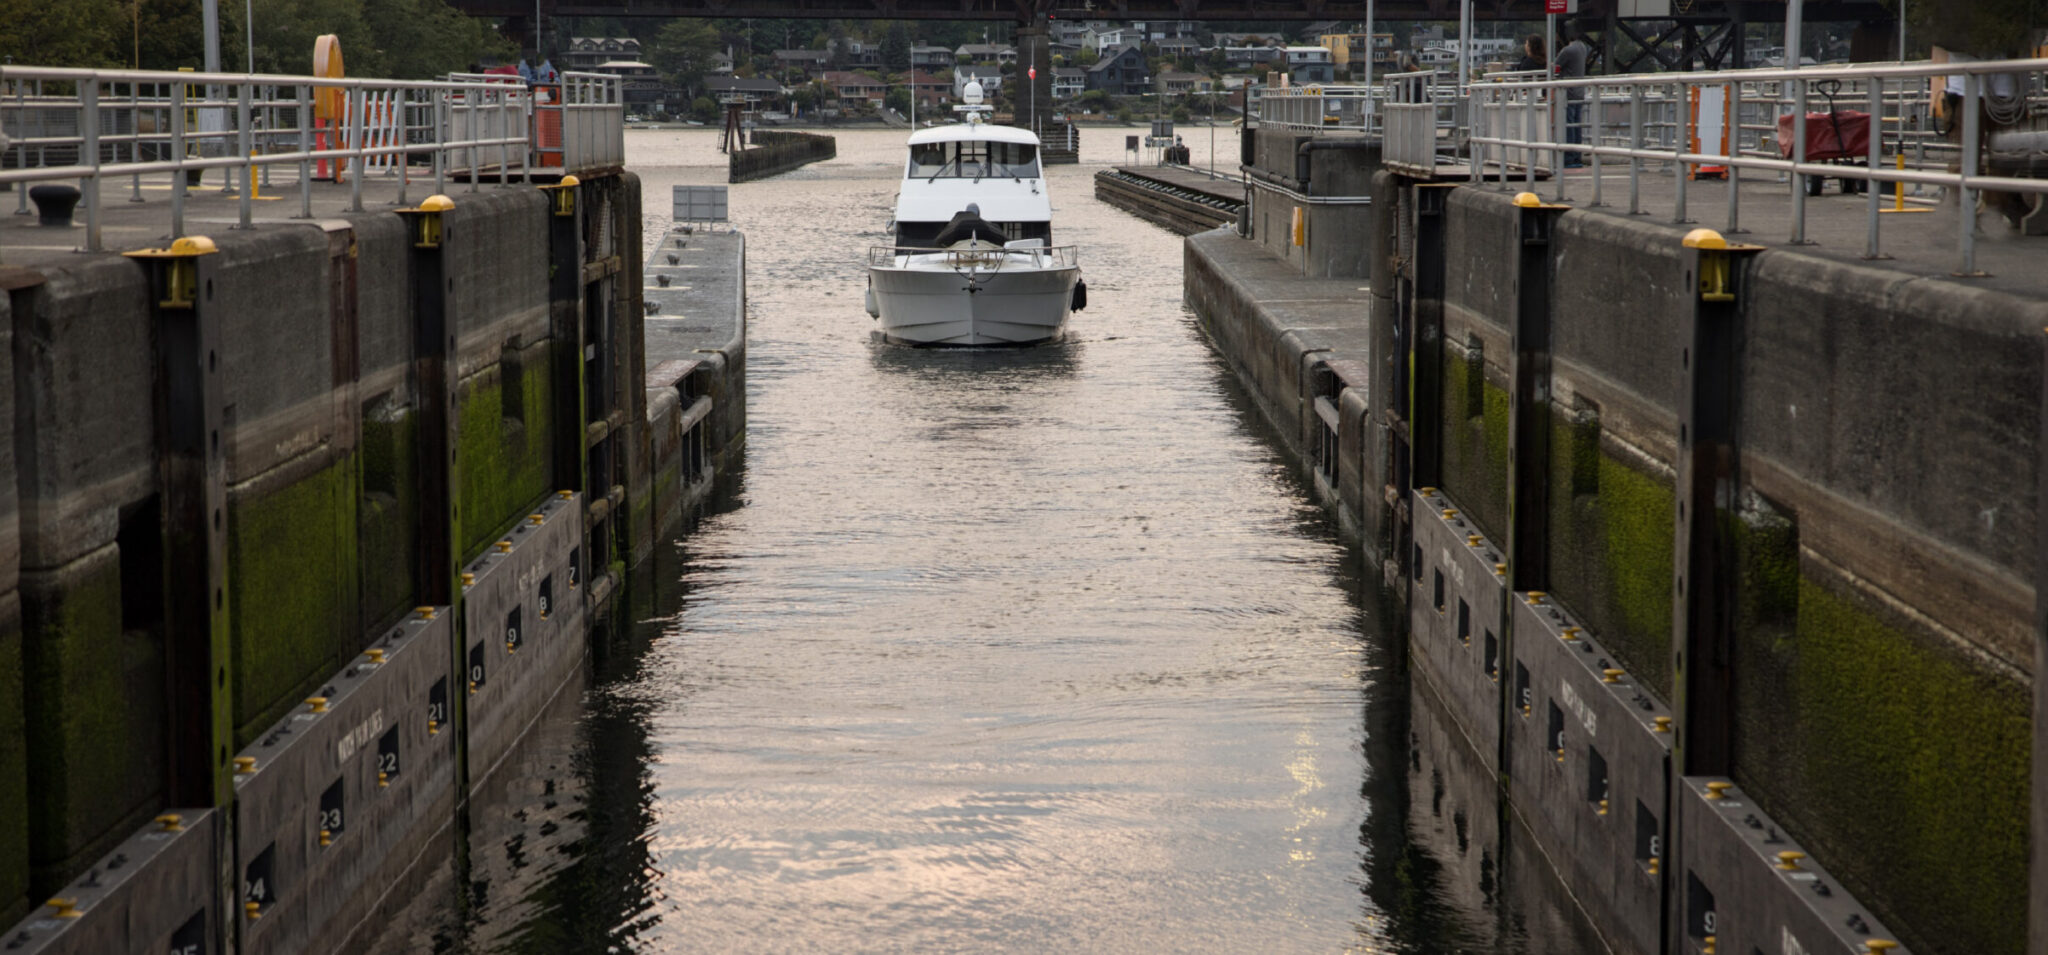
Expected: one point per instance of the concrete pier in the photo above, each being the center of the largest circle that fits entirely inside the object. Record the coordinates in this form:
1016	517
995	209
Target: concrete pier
1179	199
775	152
1682	529
311	519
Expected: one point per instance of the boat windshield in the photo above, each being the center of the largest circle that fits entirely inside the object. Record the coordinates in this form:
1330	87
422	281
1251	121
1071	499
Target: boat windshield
973	159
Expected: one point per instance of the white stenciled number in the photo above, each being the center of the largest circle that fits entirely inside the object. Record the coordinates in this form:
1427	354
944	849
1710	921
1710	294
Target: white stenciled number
1707	921
511	634
1528	695
544	604
387	762
437	712
1656	847
255	891
330	820
476	673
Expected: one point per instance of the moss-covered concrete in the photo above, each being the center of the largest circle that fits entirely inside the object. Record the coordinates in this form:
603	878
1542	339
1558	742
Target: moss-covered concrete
505	463
1611	548
95	717
13	767
292	587
389	514
1475	442
1895	759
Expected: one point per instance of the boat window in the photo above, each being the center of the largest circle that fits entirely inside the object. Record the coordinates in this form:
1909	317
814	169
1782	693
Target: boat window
973	159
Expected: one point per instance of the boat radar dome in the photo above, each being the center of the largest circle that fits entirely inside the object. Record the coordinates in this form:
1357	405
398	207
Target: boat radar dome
971	93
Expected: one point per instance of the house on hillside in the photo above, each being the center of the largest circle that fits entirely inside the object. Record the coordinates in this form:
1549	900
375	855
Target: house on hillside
1180	84
991	79
849	87
1178	48
586	52
1109	38
985	53
931	58
1121	71
1250	57
811	62
1071	32
754	92
931	92
1068	82
1310	64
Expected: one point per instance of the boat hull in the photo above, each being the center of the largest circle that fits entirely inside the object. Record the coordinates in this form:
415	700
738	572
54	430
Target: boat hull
1012	306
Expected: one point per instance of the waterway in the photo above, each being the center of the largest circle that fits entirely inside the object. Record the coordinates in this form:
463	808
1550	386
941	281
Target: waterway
1022	650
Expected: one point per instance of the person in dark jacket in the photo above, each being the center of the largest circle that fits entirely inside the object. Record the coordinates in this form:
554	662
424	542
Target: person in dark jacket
1534	56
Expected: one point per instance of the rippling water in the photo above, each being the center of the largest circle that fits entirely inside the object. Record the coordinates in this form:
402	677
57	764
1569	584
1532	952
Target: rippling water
1003	650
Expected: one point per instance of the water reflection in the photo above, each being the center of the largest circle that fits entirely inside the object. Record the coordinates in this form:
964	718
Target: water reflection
988	650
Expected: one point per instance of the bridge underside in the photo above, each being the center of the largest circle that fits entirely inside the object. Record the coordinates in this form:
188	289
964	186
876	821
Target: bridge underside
1217	10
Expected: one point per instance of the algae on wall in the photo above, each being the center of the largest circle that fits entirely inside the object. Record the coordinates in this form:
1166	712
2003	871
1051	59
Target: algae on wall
292	590
1894	758
1611	526
1475	440
504	458
389	512
94	698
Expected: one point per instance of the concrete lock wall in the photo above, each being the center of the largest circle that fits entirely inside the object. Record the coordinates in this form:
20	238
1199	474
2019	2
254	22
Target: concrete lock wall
1882	540
1326	180
347	706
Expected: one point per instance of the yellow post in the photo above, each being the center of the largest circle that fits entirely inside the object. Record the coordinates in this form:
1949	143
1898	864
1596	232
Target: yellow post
1899	192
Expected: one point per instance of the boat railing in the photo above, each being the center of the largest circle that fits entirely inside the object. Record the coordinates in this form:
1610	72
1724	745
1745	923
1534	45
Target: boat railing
1038	257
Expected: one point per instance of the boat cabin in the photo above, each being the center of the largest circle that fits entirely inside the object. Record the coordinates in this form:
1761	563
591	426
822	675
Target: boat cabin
996	168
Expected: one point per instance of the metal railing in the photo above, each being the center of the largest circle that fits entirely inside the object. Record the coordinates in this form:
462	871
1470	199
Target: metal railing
1329	108
96	127
1649	118
1413	114
992	259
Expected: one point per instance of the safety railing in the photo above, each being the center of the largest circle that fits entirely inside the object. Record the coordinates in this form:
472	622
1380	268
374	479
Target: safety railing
1327	108
1410	122
990	259
98	127
1757	122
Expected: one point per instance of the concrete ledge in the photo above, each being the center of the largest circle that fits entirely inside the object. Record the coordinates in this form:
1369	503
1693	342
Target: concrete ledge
1739	887
1457	620
153	893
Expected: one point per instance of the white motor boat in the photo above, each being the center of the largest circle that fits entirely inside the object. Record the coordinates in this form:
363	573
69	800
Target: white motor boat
973	262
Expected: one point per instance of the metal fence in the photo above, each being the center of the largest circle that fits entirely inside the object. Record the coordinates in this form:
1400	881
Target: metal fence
1410	123
1331	108
97	127
1645	119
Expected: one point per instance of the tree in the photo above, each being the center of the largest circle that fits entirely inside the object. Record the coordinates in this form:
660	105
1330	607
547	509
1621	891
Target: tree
898	99
839	44
1086	58
896	47
684	51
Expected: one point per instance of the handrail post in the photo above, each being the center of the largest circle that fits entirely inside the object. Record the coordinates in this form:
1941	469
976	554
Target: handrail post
440	140
1560	131
1595	101
305	114
1635	145
358	105
1733	147
469	108
21	150
89	155
1966	205
1871	193
1680	103
135	144
1798	159
245	139
177	160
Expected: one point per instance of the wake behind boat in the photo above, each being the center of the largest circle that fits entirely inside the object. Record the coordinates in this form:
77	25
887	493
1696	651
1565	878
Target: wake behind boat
973	262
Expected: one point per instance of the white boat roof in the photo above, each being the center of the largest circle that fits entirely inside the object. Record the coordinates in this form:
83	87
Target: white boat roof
973	132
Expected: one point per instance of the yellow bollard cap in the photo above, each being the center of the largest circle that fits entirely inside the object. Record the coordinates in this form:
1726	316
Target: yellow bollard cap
1704	239
1879	945
1611	675
1788	860
66	908
244	765
436	203
1718	789
1528	200
193	245
1663	724
171	822
568	181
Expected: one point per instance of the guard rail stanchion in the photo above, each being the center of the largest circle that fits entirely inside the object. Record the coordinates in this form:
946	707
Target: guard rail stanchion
1966	206
1681	170
305	114
1635	146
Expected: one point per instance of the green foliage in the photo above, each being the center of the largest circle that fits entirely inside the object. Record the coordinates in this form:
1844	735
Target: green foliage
703	110
684	51
1180	114
898	99
896	47
402	39
1086	57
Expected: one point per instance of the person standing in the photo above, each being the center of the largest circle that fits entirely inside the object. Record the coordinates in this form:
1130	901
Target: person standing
1535	56
1571	64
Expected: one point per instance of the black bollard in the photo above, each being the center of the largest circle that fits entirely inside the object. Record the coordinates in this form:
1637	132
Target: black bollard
54	203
